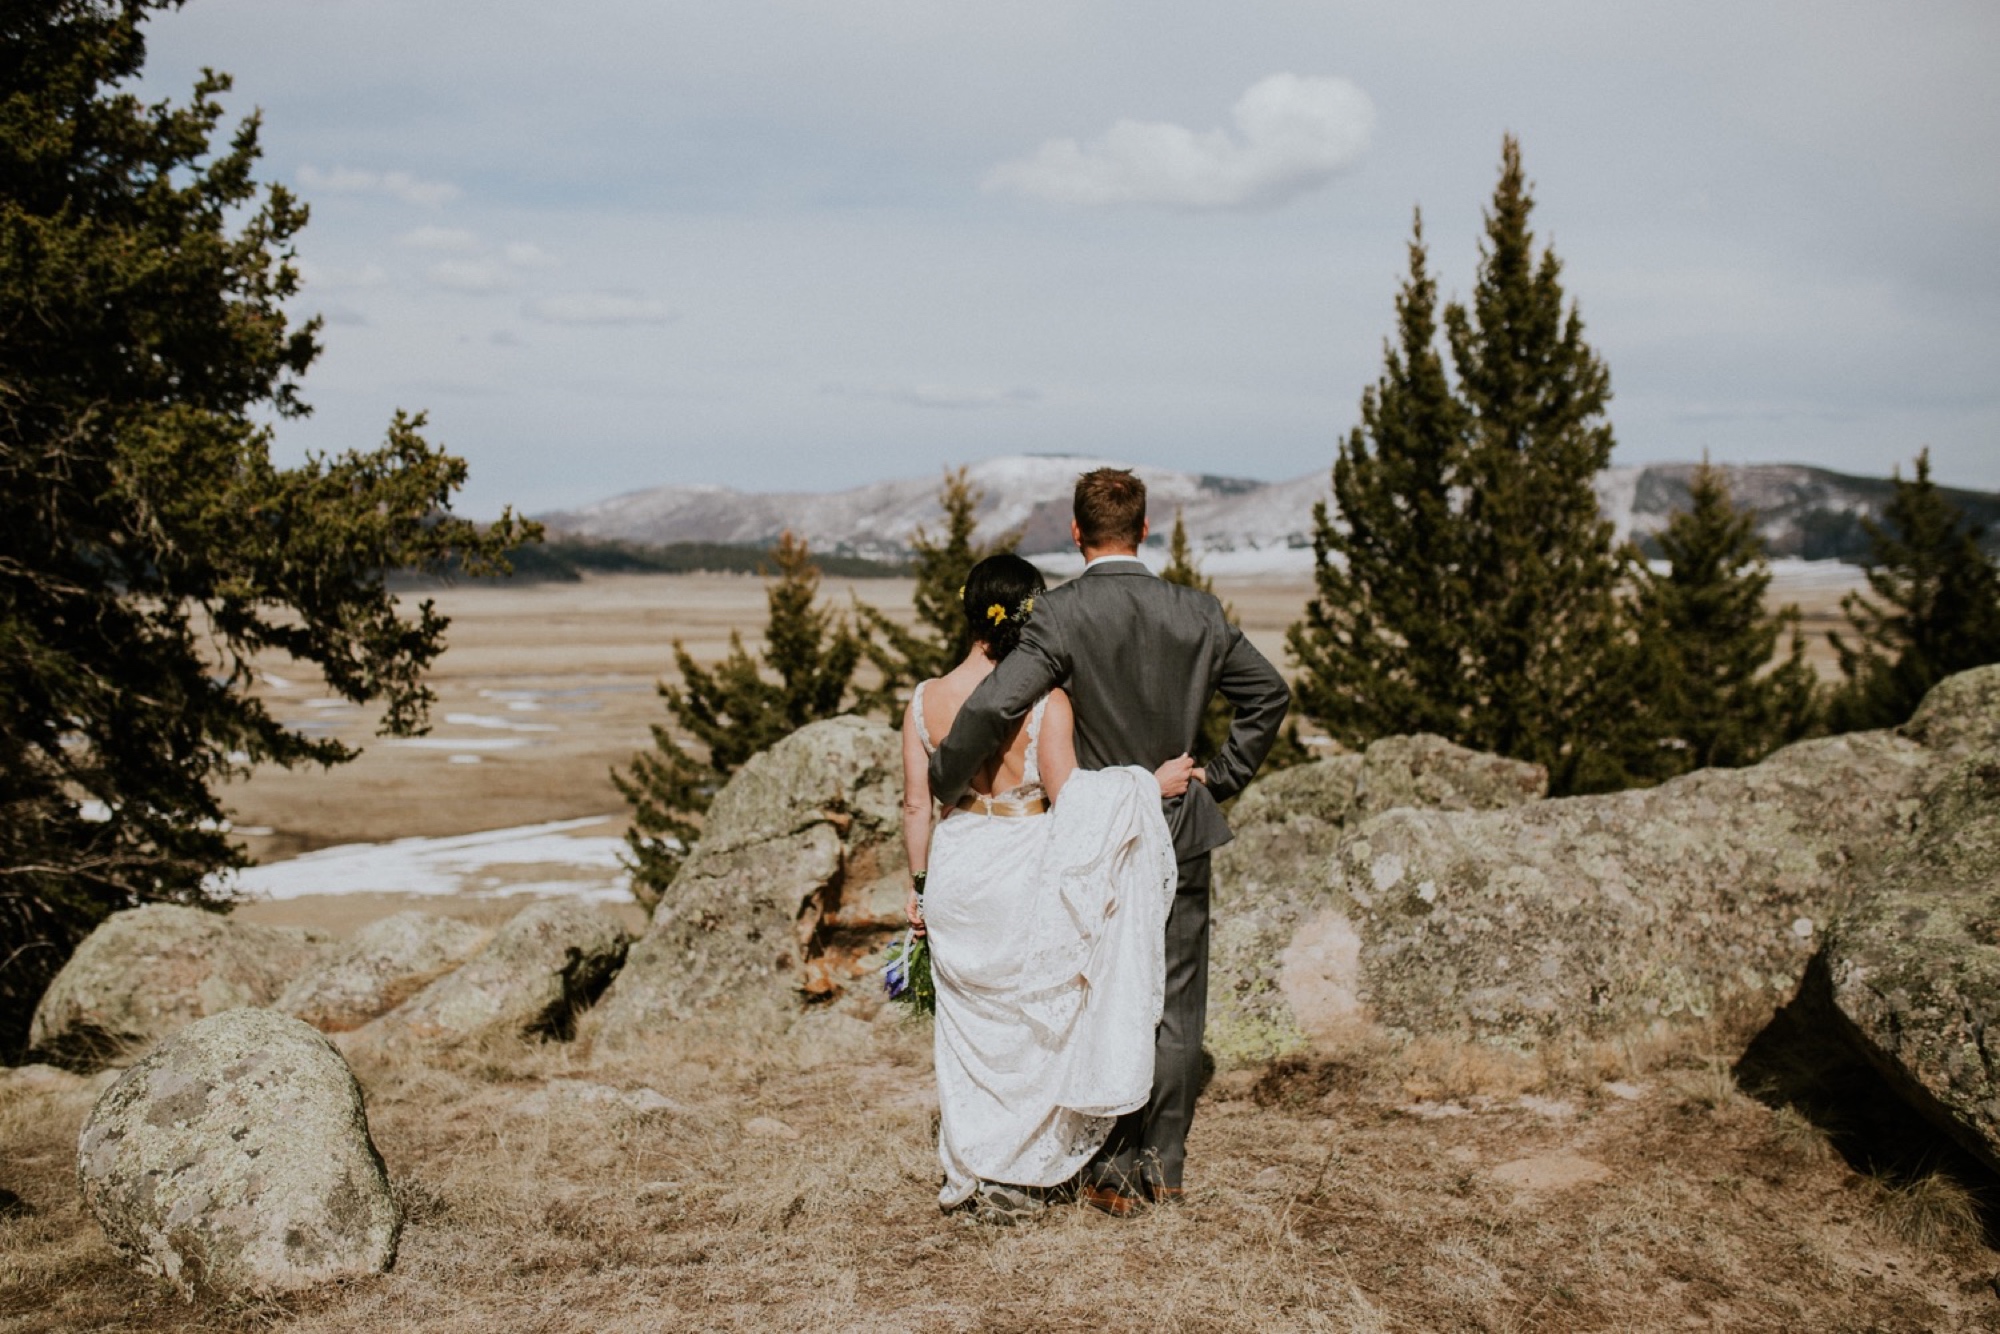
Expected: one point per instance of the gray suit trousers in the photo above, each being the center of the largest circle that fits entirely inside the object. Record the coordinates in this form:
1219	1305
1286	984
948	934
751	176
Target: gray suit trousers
1149	1147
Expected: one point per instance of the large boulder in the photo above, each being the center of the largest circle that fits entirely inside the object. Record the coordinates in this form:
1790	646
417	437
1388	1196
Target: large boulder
1914	966
147	972
799	875
1582	917
235	1158
1288	825
380	967
543	968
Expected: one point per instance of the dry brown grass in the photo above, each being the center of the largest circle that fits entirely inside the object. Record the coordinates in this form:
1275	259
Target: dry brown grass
1328	1195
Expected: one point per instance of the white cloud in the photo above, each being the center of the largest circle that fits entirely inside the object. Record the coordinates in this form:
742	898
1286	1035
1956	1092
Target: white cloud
528	255
1293	135
467	275
440	238
396	184
599	308
333	277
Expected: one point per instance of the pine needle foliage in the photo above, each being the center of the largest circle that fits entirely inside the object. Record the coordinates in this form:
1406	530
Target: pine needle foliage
150	551
1706	678
1936	608
940	639
1470	586
732	711
1380	650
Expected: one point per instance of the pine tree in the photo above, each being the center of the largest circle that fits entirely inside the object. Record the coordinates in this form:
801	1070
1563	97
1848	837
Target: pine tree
1544	639
1705	682
732	712
150	550
940	639
1469	585
1939	611
1379	650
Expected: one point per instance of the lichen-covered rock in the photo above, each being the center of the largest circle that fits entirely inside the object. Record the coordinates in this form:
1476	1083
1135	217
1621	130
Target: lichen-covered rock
1288	825
1582	916
1915	965
1960	714
148	972
799	875
380	967
544	967
235	1158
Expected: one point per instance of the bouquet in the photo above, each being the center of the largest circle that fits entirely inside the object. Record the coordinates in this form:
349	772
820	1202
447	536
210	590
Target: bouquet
907	974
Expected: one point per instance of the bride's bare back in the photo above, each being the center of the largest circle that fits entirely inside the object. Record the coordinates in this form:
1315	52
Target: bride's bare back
941	700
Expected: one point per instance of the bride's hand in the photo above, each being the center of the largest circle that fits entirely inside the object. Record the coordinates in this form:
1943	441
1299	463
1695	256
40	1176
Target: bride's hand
1173	776
913	909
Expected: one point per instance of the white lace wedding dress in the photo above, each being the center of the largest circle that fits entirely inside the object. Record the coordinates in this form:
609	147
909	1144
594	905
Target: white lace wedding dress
1047	937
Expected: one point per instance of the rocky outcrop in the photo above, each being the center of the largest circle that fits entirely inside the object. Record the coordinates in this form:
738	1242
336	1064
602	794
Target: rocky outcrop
1583	916
549	963
1288	825
147	972
798	876
383	965
235	1158
1915	964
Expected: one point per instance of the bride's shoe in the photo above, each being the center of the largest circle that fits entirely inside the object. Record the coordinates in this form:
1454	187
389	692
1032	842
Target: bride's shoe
999	1205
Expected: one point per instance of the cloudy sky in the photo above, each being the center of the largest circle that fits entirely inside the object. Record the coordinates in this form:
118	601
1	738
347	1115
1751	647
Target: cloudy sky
779	244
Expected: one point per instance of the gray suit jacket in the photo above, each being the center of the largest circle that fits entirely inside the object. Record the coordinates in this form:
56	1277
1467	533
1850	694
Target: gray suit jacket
1140	658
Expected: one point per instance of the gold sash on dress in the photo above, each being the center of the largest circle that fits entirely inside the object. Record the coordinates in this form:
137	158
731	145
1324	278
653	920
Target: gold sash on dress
1001	806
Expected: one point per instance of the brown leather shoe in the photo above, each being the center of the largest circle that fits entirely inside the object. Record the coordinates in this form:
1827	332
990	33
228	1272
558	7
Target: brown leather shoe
1109	1200
1166	1194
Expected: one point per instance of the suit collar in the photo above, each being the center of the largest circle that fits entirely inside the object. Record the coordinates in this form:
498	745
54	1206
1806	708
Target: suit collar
1116	565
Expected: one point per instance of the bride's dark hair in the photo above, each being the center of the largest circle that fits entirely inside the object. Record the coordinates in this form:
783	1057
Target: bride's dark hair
999	595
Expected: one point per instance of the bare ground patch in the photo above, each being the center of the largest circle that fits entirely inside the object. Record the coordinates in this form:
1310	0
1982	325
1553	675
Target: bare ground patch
1381	1193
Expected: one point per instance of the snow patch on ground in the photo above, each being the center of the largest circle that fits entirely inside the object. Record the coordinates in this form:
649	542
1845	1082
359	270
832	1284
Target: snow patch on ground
547	860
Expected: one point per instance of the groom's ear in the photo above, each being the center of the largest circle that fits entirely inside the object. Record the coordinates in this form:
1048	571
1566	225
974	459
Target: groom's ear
1076	533
1145	530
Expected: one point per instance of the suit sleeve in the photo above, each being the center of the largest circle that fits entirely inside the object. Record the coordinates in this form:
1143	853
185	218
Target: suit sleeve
1260	697
1037	664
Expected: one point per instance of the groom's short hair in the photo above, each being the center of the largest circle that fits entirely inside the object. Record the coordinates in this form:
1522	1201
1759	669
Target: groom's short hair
1110	508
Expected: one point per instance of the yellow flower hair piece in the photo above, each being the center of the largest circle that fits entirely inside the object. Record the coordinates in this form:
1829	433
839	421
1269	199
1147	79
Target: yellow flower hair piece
1027	608
996	613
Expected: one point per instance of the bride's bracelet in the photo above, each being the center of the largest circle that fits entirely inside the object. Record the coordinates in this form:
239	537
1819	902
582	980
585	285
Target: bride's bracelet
917	881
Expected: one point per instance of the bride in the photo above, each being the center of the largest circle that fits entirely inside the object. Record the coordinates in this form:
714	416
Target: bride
1044	894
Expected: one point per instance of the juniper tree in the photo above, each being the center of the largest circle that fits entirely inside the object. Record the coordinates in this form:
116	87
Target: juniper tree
940	639
150	551
732	711
1380	650
1939	609
1705	682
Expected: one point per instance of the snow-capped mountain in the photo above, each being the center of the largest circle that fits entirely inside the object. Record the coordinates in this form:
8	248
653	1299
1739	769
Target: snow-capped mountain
1803	512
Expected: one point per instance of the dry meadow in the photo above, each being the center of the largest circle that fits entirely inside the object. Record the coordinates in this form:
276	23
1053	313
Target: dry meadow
790	1182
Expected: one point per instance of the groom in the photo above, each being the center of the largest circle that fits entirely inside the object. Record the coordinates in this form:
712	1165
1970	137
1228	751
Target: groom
1140	658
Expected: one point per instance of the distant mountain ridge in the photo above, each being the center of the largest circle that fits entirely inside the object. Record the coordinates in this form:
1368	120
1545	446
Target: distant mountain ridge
1802	512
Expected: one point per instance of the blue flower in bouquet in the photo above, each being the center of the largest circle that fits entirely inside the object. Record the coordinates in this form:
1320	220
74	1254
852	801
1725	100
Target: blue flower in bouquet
906	974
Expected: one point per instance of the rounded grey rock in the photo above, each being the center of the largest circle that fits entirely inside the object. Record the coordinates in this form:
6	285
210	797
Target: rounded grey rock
383	965
235	1158
147	972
